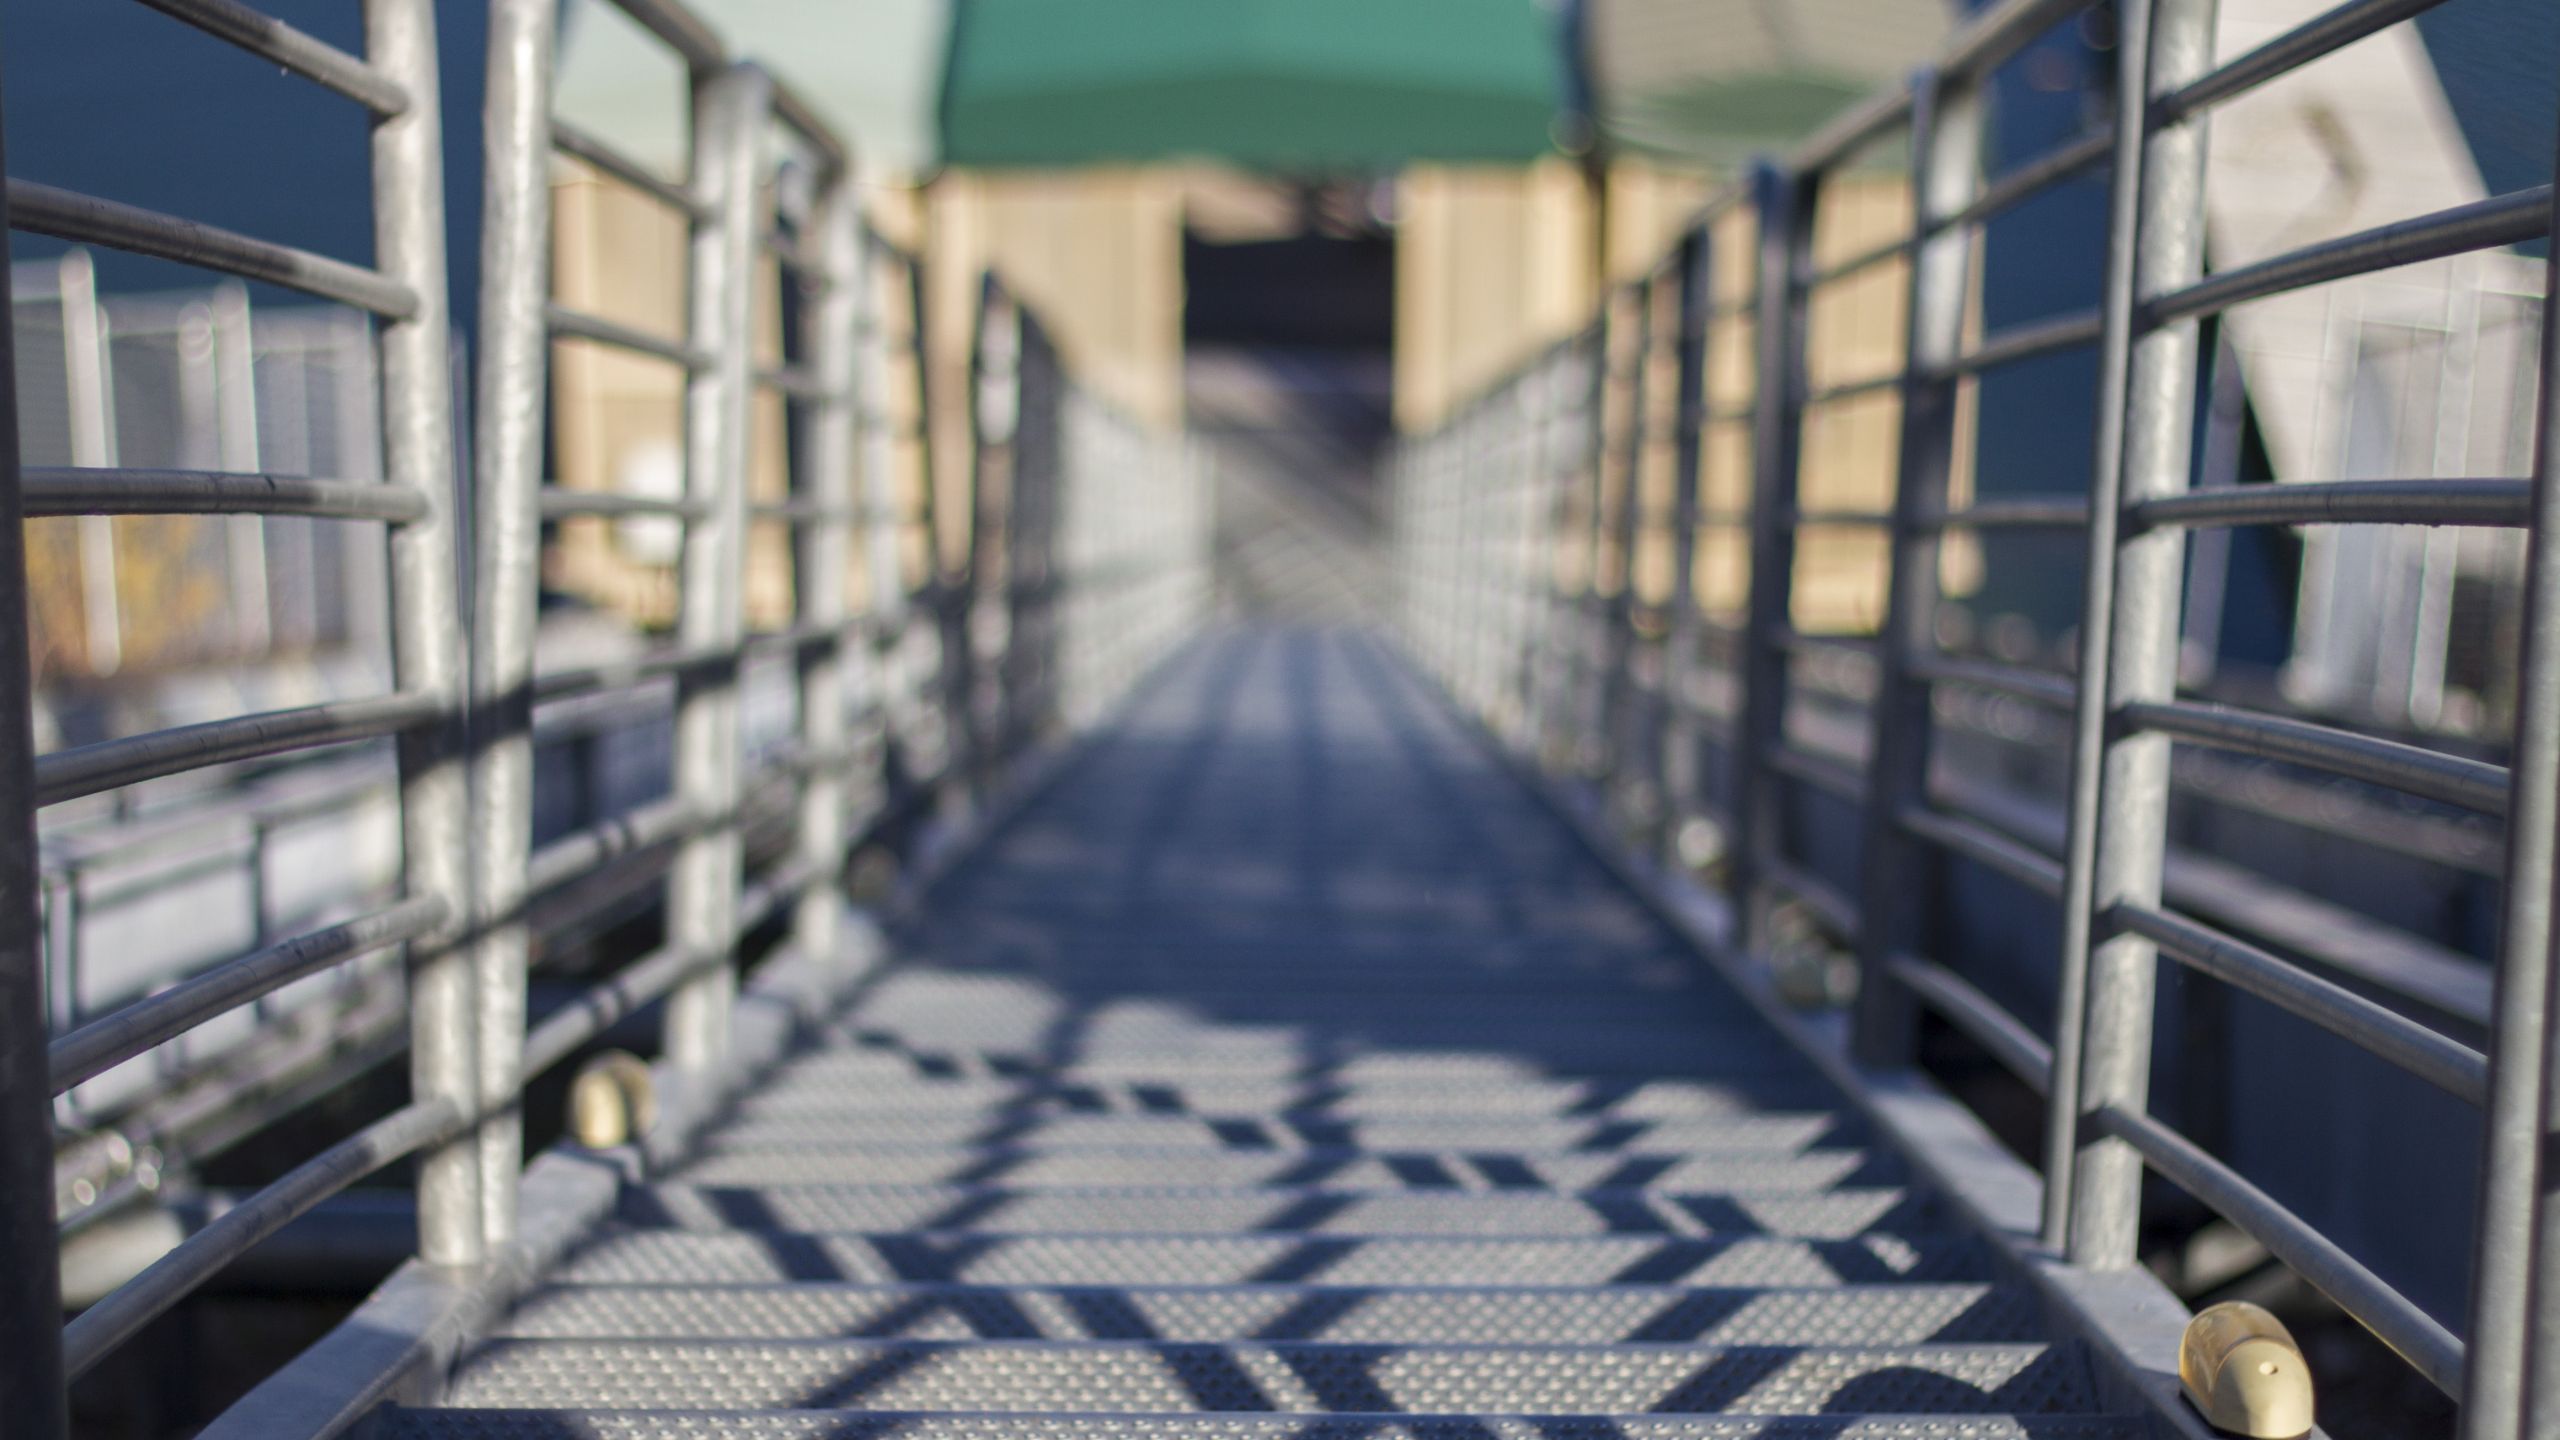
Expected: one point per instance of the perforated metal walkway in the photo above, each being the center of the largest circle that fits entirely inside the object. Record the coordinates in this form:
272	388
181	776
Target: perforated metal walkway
1286	1070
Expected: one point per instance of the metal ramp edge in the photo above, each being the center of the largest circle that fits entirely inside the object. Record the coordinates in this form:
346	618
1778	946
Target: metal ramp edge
2128	1320
402	1342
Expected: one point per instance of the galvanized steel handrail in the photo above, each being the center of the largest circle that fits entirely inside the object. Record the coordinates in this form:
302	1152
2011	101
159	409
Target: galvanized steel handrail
111	1040
89	219
404	289
1722	791
1104	539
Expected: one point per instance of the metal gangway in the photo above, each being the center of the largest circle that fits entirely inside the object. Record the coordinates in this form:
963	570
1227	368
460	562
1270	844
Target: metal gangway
1504	1020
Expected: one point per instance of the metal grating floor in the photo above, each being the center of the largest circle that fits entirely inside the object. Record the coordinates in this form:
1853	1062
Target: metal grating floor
1284	1073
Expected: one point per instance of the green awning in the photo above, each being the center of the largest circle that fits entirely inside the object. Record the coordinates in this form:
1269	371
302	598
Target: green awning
1269	84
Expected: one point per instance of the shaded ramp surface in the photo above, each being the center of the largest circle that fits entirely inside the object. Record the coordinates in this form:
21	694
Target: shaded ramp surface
1284	1073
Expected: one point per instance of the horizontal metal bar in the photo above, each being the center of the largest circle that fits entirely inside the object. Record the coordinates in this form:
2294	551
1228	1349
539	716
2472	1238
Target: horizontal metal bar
1864	260
2019	1050
2483	225
2344	502
2026	342
653	975
1818	895
763	898
571	324
265	36
66	490
109	764
799	512
803	119
1852	389
177	1274
2321	35
290	798
2314	1256
796	381
559	503
809	637
1822	772
624	674
634	986
584	851
86	219
1985	846
2471	784
1867	120
680	30
2042	687
2022	183
1723	202
105	1043
570	140
1840	519
2445	1063
1796	642
2059	512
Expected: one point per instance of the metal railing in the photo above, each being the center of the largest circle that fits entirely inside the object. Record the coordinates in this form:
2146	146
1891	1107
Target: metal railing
1552	551
1087	542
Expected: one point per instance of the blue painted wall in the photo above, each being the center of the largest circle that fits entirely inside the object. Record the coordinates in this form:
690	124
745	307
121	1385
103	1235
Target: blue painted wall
117	100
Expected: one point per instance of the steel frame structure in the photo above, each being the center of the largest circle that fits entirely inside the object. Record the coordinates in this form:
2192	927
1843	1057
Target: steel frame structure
1523	609
1096	558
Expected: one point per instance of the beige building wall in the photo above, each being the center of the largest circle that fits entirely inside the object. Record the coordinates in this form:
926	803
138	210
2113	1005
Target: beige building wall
1097	253
1493	265
618	416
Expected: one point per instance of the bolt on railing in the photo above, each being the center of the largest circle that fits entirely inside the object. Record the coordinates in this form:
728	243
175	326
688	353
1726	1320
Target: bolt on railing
1699	743
1091	565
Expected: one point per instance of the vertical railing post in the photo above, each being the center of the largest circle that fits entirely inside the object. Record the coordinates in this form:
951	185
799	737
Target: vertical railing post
1448	535
994	413
1785	203
1440	553
426	644
1449	506
1583	674
2129	627
908	694
1676	752
1487	482
2511	1370
1538	516
1946	144
507	456
1479	485
823	552
1432	488
1524	492
882	681
31	1383
1470	464
1038	587
1618	645
1445	528
730	111
1560	628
